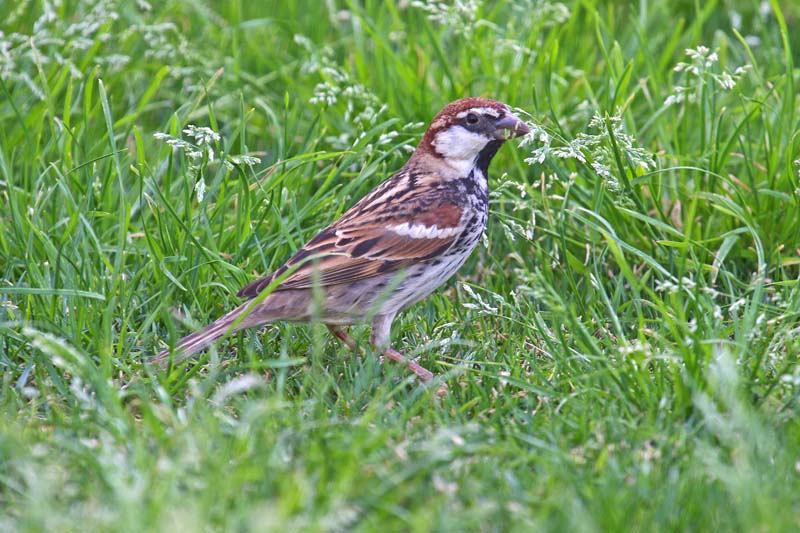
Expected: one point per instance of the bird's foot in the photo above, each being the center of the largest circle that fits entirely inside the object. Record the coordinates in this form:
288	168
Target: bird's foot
423	373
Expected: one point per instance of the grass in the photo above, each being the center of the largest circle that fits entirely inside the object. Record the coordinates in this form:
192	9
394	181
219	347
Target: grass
622	350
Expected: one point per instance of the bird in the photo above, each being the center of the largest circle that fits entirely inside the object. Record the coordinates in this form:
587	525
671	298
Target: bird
392	248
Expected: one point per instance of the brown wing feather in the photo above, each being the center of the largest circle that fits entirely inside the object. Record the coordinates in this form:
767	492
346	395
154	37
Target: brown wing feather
375	251
355	247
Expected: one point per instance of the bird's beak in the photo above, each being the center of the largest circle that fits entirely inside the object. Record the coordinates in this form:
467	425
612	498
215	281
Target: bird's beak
509	126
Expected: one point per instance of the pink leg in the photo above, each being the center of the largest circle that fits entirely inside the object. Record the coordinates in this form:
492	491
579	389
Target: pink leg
342	335
423	373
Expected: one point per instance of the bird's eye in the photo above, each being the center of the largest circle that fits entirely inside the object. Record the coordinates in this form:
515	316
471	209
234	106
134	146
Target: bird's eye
472	118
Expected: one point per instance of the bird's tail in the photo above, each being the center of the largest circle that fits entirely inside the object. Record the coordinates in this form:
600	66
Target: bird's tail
199	340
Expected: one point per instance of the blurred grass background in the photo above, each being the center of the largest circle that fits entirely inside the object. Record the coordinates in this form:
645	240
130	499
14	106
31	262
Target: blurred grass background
622	350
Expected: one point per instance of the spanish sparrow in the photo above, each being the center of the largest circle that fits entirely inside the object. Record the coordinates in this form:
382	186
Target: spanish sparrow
393	247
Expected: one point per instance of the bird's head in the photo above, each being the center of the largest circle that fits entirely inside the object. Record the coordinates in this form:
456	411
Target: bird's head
468	132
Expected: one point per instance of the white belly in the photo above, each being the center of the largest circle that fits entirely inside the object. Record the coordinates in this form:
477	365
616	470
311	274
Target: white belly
422	280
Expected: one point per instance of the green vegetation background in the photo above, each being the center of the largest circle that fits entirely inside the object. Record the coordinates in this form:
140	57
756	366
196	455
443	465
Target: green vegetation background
622	350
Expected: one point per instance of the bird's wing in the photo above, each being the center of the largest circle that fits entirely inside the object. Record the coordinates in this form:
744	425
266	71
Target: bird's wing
370	240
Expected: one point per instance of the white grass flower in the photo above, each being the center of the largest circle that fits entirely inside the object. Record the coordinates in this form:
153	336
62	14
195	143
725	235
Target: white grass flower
570	150
478	303
386	138
734	307
362	108
200	150
701	53
793	380
237	386
726	81
596	148
701	70
324	93
710	291
666	286
200	189
635	346
114	61
460	16
413	126
548	13
203	135
537	134
675	98
736	19
239	160
605	171
752	40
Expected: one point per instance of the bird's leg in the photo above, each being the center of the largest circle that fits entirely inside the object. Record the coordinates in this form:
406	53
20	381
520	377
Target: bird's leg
423	373
377	336
381	326
342	335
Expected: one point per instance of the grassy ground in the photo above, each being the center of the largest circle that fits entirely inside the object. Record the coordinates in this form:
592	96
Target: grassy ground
622	350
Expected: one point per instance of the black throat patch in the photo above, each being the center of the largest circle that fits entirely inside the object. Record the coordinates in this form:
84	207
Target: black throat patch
485	156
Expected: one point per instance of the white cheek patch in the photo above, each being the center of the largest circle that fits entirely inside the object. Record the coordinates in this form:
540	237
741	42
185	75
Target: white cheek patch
459	144
421	231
